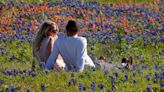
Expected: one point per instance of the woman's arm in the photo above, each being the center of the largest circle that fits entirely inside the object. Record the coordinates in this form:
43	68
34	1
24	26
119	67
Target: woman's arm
49	48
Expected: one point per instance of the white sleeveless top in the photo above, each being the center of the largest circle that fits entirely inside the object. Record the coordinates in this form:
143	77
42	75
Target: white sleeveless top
41	53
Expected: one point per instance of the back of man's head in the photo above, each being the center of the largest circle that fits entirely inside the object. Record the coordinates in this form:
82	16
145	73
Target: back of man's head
72	26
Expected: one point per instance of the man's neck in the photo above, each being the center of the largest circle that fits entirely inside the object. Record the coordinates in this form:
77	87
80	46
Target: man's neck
72	35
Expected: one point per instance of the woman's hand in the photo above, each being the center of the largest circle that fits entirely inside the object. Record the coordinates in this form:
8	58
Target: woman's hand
56	67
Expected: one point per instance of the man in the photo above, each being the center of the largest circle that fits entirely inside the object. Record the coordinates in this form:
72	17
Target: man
72	48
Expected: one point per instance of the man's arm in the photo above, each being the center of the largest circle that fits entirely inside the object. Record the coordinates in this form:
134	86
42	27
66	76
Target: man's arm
52	58
81	52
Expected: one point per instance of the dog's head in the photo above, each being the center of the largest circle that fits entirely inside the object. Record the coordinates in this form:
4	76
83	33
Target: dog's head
127	63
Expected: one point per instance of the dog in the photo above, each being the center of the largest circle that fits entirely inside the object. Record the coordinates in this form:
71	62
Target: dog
125	64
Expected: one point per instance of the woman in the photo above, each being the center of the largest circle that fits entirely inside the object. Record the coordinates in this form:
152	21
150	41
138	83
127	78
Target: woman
44	41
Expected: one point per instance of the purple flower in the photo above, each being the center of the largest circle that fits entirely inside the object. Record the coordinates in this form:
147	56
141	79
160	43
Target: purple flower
80	86
134	81
112	79
33	74
125	78
101	86
28	90
155	81
43	87
1	82
148	89
113	87
116	74
156	75
148	77
161	39
13	89
162	84
84	88
134	74
8	89
93	85
73	81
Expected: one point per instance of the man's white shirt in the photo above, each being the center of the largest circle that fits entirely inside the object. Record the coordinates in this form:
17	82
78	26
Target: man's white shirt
73	51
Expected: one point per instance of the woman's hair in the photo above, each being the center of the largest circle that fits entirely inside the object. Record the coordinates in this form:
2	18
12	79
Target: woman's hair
46	26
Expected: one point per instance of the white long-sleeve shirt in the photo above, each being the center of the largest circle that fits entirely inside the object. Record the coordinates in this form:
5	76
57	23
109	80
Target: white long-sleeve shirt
73	51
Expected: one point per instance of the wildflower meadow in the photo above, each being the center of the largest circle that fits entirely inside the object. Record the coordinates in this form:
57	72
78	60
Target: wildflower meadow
115	29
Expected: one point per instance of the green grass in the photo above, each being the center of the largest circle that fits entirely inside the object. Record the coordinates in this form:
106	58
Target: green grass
58	81
102	1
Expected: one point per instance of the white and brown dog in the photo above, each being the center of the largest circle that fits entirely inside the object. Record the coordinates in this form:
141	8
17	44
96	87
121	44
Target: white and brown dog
125	64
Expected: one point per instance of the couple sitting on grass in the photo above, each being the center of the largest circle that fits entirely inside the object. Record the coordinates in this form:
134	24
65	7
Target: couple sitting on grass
64	53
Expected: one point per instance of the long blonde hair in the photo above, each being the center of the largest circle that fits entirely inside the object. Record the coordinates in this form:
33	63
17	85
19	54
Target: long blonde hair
46	26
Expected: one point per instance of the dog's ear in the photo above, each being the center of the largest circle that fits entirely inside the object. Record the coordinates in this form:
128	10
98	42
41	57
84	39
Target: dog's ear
102	58
131	60
124	60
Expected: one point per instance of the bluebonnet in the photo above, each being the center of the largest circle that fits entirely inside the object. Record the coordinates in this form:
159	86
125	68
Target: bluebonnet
133	73
93	85
125	78
161	39
162	84
155	80
1	82
8	89
112	79
161	52
116	74
148	89
43	87
80	86
134	81
148	77
113	87
28	90
73	81
13	89
101	86
156	75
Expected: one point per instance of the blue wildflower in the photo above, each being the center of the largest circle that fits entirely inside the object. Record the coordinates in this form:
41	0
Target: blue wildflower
155	81
162	84
113	87
156	75
28	90
112	79
148	77
1	82
93	85
125	78
80	86
73	81
134	81
43	87
116	74
148	89
134	74
101	86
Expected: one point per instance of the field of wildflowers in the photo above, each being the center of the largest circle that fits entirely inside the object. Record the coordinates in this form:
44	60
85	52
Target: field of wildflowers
115	30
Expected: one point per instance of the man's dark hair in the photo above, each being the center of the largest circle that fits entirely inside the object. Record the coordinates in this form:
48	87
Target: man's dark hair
72	26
